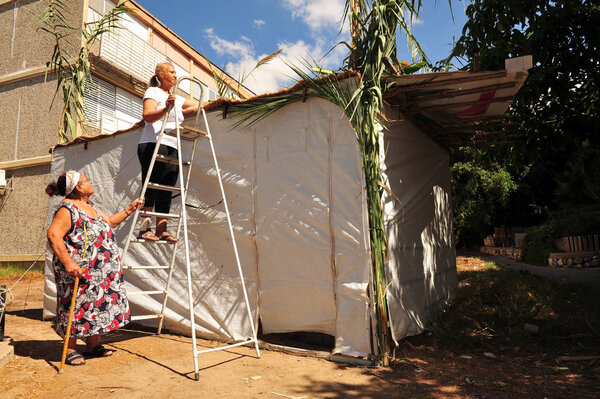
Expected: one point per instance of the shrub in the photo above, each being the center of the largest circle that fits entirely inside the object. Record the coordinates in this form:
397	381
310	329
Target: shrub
539	243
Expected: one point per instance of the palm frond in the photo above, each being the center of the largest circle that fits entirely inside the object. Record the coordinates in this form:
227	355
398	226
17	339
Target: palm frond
71	74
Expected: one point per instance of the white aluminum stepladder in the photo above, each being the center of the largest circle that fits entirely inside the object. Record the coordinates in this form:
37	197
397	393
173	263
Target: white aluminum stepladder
189	133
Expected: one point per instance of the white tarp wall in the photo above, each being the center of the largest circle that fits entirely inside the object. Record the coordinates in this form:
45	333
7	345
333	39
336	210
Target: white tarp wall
422	260
296	195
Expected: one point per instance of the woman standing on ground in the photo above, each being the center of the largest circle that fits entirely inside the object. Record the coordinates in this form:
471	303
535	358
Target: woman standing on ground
156	101
84	246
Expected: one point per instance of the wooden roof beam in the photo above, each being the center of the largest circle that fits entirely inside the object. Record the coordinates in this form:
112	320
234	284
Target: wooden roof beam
437	83
457	93
458	105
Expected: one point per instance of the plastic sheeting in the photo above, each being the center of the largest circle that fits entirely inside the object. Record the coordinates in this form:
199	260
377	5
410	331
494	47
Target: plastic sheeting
296	196
422	260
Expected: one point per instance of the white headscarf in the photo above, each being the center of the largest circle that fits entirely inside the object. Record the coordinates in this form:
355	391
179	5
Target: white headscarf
72	180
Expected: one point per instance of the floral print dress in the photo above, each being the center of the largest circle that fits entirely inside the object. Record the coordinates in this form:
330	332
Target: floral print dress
101	303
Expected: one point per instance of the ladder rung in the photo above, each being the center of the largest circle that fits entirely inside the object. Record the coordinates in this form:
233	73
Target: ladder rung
146	316
160	215
187	133
172	161
142	241
144	267
156	292
157	186
193	129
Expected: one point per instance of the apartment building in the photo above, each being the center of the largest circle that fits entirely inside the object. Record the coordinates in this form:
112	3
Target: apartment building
122	63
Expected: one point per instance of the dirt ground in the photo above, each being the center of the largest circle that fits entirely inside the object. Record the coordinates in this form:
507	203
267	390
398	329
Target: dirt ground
149	366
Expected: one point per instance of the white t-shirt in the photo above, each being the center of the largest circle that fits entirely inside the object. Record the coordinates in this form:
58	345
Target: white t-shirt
152	130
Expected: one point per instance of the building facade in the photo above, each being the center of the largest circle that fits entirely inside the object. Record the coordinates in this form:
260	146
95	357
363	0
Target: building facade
122	63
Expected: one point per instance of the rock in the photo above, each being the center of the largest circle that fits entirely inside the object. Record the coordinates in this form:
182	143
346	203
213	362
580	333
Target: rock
560	262
569	261
490	355
547	313
595	263
531	328
578	261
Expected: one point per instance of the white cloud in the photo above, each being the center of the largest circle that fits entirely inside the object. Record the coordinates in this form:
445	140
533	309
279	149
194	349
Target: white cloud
235	49
276	74
416	20
322	18
317	14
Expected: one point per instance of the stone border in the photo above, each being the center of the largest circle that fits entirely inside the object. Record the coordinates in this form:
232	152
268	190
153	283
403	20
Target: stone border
575	260
589	276
509	252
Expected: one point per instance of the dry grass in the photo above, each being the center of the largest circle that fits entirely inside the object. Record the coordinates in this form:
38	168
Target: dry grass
504	308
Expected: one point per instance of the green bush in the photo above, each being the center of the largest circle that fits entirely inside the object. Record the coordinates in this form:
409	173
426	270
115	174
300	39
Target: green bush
539	241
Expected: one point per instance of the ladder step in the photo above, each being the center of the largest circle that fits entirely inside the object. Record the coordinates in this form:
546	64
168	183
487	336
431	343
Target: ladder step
156	292
146	316
172	161
160	215
187	133
142	241
154	267
157	186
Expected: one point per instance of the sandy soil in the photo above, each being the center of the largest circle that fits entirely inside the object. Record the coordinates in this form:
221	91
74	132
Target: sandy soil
149	366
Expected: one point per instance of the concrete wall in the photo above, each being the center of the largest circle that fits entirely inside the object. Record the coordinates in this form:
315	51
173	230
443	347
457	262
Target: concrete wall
23	212
22	45
28	127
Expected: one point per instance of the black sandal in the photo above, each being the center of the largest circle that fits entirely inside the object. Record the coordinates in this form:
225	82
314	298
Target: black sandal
166	236
99	351
71	357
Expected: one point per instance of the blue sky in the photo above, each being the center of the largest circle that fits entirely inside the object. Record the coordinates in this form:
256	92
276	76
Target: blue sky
235	34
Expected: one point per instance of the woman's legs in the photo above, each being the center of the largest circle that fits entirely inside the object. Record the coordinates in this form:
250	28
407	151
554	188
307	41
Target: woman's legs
93	341
72	347
162	173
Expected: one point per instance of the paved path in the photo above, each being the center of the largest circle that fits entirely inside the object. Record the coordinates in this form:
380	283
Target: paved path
586	276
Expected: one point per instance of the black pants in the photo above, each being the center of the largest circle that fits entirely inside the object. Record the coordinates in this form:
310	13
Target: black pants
163	173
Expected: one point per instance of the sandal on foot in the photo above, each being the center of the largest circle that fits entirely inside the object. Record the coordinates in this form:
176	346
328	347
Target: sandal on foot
168	238
73	357
99	351
149	236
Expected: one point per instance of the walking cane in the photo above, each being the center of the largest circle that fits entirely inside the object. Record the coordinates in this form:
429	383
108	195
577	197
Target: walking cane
68	333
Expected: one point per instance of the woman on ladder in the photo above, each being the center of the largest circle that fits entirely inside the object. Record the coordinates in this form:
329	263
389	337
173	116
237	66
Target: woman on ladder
84	246
157	100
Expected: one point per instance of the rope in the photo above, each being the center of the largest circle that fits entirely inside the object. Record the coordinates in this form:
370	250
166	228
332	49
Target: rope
9	298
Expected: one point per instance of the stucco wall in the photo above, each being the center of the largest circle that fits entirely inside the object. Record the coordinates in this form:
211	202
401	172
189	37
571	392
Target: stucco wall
28	125
22	45
23	212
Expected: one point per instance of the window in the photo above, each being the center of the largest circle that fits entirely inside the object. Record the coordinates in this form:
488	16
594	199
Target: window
110	108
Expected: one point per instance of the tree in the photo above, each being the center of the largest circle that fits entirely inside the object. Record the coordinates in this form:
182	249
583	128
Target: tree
558	107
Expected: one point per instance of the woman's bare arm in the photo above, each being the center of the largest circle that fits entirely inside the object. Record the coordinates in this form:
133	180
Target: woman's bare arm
151	114
190	107
119	217
56	232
